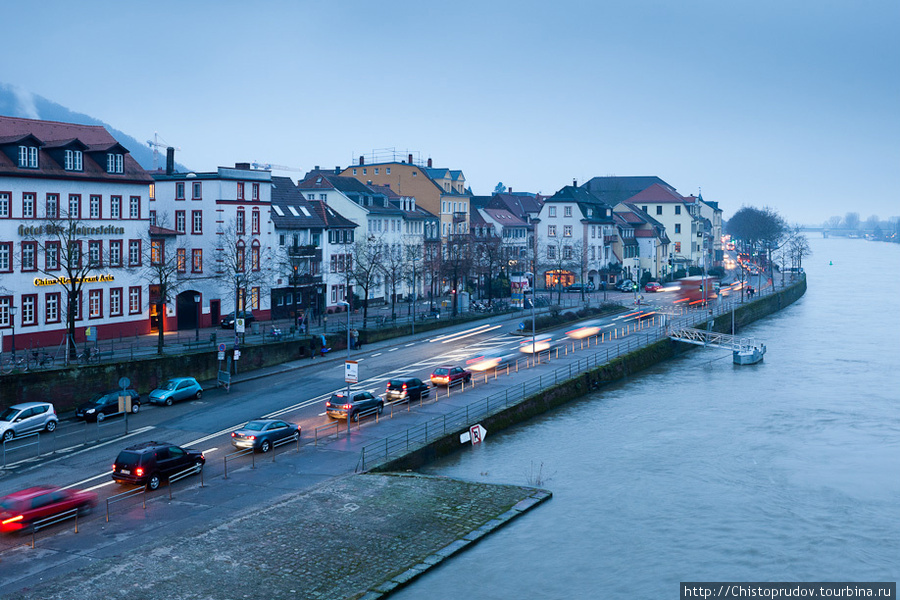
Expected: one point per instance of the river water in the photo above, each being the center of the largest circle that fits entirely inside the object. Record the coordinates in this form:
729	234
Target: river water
699	470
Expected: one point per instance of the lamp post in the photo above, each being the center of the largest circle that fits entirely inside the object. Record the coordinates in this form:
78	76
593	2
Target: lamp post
533	302
319	304
12	318
197	302
347	304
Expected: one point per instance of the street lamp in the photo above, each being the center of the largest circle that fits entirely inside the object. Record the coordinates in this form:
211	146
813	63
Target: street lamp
197	302
319	304
347	304
12	317
533	302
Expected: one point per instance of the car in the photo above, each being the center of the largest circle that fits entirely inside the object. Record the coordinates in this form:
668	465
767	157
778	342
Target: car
540	343
493	359
449	375
626	285
150	463
263	434
27	418
406	389
227	321
19	510
342	406
175	390
105	404
578	287
653	286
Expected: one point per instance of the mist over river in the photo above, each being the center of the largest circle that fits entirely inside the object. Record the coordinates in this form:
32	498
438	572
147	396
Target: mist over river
700	470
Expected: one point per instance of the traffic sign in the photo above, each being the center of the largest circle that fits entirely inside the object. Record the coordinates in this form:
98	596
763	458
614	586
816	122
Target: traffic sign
239	325
237	355
351	371
124	382
221	347
475	434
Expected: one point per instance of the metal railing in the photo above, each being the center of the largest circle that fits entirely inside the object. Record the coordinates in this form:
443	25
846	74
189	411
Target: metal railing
125	496
57	518
14	445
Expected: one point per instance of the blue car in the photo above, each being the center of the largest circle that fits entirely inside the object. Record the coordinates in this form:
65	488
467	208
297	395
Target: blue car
176	390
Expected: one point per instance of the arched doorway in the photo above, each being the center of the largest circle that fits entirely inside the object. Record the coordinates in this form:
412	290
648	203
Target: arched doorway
187	309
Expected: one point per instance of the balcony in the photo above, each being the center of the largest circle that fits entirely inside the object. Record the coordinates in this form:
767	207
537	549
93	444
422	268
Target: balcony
304	280
460	217
304	252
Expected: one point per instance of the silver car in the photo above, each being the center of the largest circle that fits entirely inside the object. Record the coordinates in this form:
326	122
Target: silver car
30	417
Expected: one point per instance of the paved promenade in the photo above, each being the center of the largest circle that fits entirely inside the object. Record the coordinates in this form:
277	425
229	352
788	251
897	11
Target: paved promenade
358	536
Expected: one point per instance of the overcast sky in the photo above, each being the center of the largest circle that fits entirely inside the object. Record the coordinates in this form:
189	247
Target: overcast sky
792	105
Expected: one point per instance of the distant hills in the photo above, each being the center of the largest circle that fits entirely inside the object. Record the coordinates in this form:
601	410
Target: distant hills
16	102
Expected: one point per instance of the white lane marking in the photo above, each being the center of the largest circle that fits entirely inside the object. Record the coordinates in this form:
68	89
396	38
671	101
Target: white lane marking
393	349
470	334
376	354
86	480
448	335
210	451
97	487
408	345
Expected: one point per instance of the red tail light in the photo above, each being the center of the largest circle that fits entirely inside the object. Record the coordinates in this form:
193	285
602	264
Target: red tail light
404	386
139	472
233	434
251	437
12	520
346	407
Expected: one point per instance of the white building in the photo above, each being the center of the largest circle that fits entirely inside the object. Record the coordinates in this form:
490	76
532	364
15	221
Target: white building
78	181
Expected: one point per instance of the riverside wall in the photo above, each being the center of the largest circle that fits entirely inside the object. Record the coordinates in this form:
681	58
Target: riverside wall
592	380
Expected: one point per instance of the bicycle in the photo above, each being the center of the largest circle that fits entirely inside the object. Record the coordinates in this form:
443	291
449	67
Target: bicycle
14	363
42	360
89	357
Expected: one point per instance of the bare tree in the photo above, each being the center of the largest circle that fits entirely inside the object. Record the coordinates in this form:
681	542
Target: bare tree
557	255
243	266
413	266
367	256
799	249
457	263
164	263
393	262
67	263
488	259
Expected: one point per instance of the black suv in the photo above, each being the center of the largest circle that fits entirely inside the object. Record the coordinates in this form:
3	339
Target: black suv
151	462
339	406
227	321
106	404
406	389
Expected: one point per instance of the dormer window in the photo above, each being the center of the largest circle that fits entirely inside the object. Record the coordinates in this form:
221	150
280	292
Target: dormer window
115	163
74	160
28	157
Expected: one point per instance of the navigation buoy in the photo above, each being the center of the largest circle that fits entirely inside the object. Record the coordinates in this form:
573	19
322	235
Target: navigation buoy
830	264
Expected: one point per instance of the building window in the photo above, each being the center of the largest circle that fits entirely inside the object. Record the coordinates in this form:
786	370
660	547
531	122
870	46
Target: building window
179	190
181	260
677	246
51	256
95	304
52	206
77	308
94	208
74	206
27	206
75	254
115	207
134	253
196	190
254	298
5	206
115	253
551	252
551	211
387	170
551	230
240	190
6	254
239	257
153	217
28	157
365	171
567	211
254	222
73	160
354	171
115	302
677	227
197	260
677	209
95	253
115	163
51	308
29	252
134	207
659	210
323	197
134	300
254	256
239	223
179	221
567	253
197	222
156	252
254	190
152	193
567	231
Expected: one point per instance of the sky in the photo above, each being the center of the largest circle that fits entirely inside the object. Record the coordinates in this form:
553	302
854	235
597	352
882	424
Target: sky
793	105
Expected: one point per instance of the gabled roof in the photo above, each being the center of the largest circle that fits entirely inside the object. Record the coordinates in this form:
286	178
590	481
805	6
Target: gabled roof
290	209
330	217
518	204
657	194
586	201
613	189
505	218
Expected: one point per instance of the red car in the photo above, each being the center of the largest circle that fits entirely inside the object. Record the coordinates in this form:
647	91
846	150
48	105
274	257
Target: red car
652	286
450	376
19	510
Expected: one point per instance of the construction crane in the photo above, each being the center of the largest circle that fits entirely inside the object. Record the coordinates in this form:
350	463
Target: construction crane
156	145
270	167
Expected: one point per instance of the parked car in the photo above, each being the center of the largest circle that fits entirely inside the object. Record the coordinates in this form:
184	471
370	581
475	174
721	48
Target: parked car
449	375
105	404
578	287
150	463
175	390
341	406
26	418
263	434
653	286
227	321
20	509
626	285
406	389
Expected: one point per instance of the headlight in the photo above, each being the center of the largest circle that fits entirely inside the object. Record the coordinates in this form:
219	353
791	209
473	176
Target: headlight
90	411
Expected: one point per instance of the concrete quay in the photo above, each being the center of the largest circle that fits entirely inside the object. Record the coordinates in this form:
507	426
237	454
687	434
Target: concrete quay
358	536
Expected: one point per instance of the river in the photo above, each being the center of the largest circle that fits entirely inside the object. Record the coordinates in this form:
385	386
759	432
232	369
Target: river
699	470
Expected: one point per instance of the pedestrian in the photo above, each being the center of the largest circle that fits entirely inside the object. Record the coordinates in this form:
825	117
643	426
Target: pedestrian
312	347
354	339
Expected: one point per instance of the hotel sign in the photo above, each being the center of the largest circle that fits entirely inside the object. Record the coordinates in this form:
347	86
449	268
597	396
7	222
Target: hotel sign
44	281
52	229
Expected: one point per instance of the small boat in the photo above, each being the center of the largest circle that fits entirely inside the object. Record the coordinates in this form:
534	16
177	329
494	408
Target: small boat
749	355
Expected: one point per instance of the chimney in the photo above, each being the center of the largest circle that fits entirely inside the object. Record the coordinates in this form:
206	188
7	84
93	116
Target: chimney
242	166
410	159
509	190
170	160
429	163
337	170
574	183
362	160
316	168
